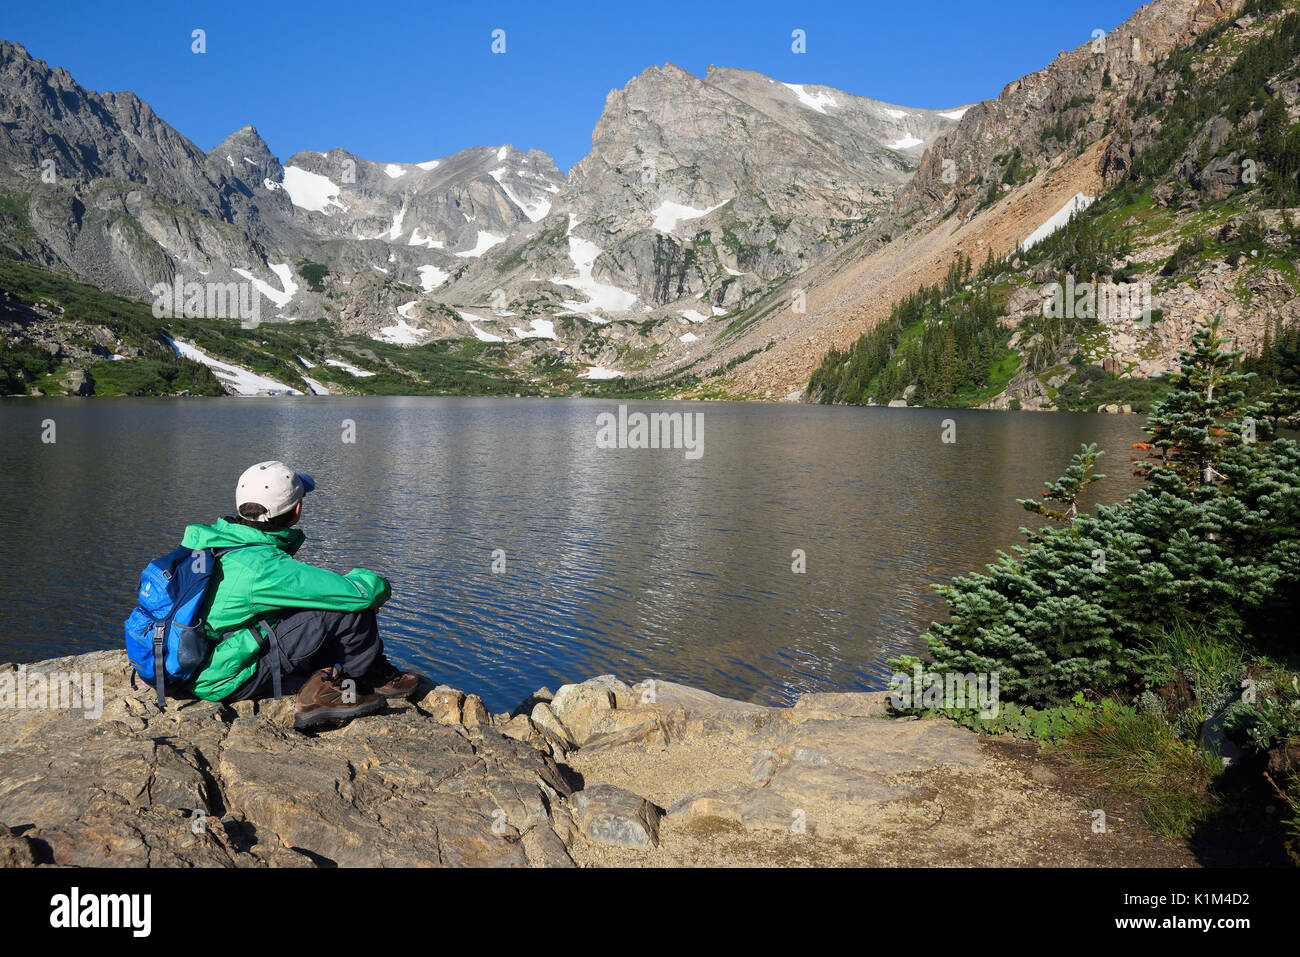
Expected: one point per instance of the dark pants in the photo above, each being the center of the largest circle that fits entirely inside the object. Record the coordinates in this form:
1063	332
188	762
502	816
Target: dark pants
311	639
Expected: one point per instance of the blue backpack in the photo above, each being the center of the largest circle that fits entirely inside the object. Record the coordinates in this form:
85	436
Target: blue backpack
165	638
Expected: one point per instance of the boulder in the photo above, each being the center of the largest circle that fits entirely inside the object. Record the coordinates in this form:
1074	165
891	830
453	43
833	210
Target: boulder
77	382
474	713
546	722
610	815
595	692
443	704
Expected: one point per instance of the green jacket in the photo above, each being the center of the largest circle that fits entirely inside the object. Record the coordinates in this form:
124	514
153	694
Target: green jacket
257	581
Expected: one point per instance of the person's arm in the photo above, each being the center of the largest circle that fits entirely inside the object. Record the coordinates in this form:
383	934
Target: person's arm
294	584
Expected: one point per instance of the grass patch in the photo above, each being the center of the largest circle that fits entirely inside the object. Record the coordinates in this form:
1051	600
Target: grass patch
1141	755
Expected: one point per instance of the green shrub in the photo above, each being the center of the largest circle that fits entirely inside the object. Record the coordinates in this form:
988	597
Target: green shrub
1212	543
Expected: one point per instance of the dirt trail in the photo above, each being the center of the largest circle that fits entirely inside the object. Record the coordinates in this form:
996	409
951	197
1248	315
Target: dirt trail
834	782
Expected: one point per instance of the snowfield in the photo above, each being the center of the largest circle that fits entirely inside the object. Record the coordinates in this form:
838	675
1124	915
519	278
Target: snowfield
348	367
393	170
534	211
281	296
1077	203
667	215
418	240
395	230
599	372
485	242
955	114
311	191
402	334
486	336
243	381
431	277
599	295
814	101
542	329
906	143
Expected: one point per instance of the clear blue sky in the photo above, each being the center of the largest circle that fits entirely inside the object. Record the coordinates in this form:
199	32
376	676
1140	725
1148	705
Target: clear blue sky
407	82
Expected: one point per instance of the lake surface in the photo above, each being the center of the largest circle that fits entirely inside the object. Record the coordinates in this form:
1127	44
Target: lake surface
640	562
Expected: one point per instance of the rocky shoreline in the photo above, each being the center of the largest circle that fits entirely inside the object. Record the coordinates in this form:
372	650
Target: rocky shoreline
599	773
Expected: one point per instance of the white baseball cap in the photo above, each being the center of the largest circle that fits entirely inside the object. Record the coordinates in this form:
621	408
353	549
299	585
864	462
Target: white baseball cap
274	486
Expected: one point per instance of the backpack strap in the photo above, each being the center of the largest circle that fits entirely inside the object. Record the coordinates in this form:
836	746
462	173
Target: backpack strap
273	642
276	658
160	660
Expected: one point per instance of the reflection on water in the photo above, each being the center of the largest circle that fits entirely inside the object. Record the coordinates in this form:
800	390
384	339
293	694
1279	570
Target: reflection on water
639	562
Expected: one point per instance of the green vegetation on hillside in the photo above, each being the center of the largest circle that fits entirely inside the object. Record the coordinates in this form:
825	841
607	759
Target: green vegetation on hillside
271	349
945	340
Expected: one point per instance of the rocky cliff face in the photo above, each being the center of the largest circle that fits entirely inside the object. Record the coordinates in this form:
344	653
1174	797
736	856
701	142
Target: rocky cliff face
701	185
1047	114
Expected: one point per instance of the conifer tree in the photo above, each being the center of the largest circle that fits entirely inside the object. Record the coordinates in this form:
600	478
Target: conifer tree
1204	413
1066	490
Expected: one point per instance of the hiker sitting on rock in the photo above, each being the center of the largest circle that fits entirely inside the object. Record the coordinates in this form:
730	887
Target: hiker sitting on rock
280	620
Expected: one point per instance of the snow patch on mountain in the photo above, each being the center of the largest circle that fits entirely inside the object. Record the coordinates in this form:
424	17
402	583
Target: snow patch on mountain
599	372
484	242
348	367
395	230
281	296
599	295
1077	203
814	101
542	329
905	143
431	277
534	211
243	381
668	214
310	191
403	333
395	171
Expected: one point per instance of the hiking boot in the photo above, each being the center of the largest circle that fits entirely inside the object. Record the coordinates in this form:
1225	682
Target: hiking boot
323	700
391	682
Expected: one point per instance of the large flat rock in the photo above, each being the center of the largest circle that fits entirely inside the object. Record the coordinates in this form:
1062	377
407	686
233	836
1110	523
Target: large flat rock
602	772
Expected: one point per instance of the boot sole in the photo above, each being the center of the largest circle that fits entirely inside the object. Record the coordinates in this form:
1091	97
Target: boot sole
325	716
